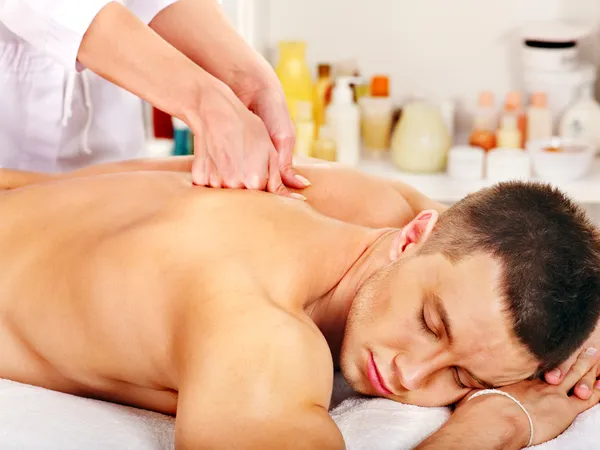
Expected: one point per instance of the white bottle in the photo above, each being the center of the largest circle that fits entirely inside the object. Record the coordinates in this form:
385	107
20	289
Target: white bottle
539	118
582	120
343	117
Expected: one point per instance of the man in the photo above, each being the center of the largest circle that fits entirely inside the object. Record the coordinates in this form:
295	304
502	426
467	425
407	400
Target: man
226	307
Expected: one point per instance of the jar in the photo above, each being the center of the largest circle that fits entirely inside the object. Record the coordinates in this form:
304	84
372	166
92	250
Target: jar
421	141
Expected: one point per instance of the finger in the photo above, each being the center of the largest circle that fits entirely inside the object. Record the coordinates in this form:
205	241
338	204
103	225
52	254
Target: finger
555	376
200	170
584	363
275	184
214	178
578	405
584	388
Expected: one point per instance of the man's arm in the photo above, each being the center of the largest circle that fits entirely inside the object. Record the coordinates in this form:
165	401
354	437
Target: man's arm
353	196
241	387
469	429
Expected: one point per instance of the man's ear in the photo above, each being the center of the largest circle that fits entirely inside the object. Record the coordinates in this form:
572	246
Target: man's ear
416	232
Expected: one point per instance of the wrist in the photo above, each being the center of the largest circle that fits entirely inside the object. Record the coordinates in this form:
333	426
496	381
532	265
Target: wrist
494	412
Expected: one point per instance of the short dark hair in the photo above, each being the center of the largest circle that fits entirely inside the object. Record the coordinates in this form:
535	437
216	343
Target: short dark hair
550	257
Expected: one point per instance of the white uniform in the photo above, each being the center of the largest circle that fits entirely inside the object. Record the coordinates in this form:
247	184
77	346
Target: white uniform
54	115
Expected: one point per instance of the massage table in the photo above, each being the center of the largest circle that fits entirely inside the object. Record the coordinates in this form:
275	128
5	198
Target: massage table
32	418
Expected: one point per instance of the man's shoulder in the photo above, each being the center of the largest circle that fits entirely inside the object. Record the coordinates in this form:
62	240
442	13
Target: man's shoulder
268	351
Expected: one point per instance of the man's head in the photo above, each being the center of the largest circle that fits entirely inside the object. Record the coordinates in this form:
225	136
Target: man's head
504	285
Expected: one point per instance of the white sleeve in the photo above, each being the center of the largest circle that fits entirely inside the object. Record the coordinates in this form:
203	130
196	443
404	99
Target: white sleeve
55	27
147	9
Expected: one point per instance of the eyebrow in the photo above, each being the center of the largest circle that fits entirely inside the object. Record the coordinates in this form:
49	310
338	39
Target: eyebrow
443	313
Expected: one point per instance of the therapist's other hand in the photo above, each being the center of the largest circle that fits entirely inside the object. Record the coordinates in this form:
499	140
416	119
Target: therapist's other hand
232	148
557	375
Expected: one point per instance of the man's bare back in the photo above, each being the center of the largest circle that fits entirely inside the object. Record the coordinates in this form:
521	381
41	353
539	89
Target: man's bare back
125	286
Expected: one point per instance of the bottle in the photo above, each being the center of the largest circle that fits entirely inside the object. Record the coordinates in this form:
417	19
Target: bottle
514	107
181	137
305	128
448	111
509	135
320	99
421	141
582	120
324	146
344	118
483	134
539	118
294	74
376	116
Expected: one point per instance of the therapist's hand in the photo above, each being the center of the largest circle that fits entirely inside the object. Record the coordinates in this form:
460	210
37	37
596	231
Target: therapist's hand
556	375
232	147
262	93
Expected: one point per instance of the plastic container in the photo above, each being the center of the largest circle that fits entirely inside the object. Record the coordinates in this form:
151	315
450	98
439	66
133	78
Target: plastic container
509	135
181	138
514	107
320	100
559	159
466	163
539	118
294	74
305	128
376	117
504	164
582	120
483	134
324	147
421	141
344	118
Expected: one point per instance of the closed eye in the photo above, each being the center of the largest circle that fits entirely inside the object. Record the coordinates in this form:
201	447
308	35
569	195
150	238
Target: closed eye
425	327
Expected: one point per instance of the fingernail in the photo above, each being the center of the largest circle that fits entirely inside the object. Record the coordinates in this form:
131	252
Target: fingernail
298	196
556	373
303	180
591	351
584	387
253	182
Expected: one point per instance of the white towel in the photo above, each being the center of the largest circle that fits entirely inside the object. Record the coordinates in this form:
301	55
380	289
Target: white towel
32	418
380	424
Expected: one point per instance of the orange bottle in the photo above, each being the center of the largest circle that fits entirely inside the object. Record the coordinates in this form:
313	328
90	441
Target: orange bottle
483	134
514	106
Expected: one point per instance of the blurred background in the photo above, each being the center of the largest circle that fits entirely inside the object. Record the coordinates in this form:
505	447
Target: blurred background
449	96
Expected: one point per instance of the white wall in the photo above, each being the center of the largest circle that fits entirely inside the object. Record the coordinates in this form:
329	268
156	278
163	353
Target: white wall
438	48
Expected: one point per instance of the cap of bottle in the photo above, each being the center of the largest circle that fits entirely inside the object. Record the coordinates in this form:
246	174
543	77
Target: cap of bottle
324	70
513	101
486	99
380	86
539	100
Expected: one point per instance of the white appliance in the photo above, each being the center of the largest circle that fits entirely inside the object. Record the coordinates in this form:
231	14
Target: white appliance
551	64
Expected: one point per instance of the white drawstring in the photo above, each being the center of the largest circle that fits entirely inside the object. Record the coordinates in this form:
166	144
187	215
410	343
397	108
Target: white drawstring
87	98
68	100
68	107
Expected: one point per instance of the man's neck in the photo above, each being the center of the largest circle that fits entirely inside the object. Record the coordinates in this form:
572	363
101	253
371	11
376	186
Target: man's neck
330	312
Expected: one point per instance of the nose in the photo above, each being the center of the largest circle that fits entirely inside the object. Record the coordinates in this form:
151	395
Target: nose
413	373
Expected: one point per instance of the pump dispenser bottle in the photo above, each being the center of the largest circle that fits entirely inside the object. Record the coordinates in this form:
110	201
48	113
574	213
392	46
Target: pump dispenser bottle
344	118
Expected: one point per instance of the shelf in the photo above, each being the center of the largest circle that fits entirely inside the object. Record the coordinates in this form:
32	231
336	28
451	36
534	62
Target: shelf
445	189
440	186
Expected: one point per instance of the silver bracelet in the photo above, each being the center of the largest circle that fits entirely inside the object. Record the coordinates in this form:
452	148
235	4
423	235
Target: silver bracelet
504	394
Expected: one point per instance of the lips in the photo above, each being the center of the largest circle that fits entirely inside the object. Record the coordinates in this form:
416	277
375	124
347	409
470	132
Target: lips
375	377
